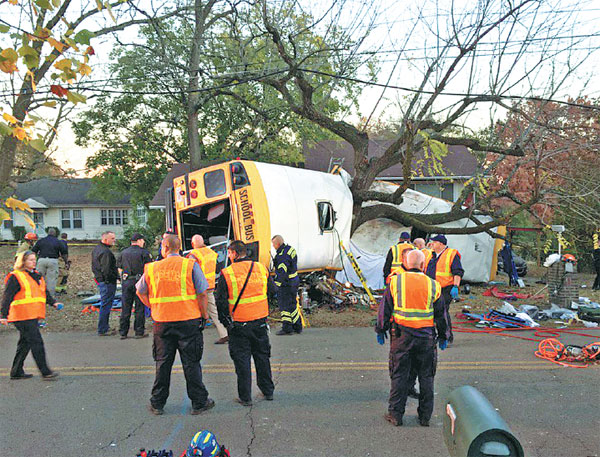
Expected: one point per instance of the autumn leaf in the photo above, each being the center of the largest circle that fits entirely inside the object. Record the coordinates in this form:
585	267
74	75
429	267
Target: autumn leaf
85	70
32	76
63	65
8	118
90	51
51	103
19	133
60	47
38	144
13	2
58	90
75	98
8	67
83	37
9	54
5	129
29	221
14	204
4	215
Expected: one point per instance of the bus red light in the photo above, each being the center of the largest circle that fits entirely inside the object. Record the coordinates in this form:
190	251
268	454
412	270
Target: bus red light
182	192
194	194
193	184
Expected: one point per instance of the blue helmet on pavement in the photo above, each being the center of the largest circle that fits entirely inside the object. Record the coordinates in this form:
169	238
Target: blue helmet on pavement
203	444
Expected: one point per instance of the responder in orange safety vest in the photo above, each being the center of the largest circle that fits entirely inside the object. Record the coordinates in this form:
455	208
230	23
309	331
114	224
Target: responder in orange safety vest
23	304
420	245
174	289
243	307
411	310
401	268
207	259
445	267
393	261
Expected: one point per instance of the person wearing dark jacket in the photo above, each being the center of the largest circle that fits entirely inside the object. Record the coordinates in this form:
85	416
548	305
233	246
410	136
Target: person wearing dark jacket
23	304
411	310
131	265
446	268
287	281
104	267
242	303
48	250
393	260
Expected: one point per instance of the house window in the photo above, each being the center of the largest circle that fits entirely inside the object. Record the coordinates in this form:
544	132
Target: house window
8	223
448	191
326	216
114	217
141	215
38	218
71	219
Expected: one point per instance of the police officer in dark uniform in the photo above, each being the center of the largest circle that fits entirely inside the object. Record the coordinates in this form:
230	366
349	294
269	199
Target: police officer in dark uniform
287	282
131	266
411	310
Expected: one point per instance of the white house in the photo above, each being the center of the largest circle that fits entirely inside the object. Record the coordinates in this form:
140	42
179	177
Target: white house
67	204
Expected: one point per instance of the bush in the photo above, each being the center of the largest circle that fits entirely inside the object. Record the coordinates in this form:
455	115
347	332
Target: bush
18	232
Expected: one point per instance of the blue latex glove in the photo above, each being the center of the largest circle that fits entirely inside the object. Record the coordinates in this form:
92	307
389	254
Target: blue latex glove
443	344
59	306
454	292
381	337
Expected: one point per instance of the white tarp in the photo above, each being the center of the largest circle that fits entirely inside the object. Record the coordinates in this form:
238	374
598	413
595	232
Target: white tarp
375	237
371	266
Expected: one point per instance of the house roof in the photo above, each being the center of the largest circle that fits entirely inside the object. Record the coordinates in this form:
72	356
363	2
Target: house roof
458	162
178	169
63	192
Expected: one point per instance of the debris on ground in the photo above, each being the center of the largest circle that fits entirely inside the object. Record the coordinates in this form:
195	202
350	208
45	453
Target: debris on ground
317	289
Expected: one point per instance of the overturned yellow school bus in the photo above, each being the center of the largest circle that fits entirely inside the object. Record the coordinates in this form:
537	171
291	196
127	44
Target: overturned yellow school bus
253	201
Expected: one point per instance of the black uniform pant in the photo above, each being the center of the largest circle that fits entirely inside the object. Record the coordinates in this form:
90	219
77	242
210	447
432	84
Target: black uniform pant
408	352
128	298
30	339
251	339
447	300
185	337
288	305
597	268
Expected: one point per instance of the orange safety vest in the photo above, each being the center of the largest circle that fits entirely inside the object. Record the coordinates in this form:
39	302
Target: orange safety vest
207	258
397	251
398	271
443	274
171	290
414	294
30	301
428	255
254	304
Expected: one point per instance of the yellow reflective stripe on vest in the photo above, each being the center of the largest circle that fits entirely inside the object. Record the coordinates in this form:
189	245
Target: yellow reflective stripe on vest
234	286
448	257
411	314
184	295
396	258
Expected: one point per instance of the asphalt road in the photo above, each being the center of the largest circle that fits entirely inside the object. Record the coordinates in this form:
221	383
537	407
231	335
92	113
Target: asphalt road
331	393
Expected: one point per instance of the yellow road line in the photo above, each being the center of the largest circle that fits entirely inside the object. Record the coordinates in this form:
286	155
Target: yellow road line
296	369
307	365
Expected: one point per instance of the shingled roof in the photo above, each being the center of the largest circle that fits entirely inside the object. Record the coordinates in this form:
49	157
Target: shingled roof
459	162
63	192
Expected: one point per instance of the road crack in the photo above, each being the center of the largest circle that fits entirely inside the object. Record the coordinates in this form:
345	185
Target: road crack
252	431
129	435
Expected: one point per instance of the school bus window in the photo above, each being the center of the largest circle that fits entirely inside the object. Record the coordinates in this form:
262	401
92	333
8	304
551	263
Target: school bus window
326	216
214	183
